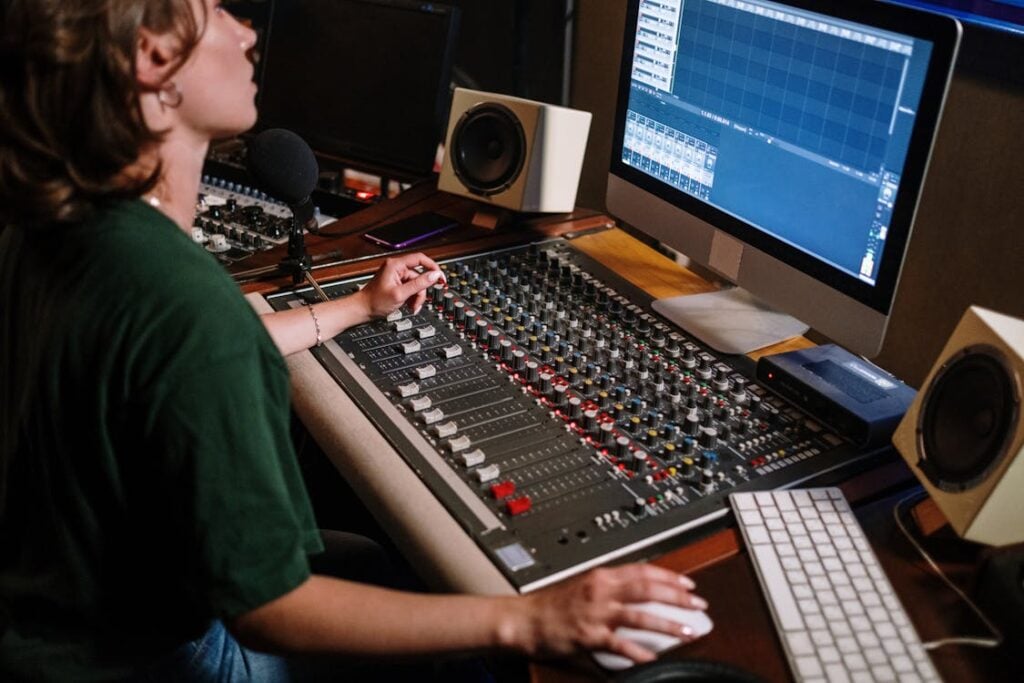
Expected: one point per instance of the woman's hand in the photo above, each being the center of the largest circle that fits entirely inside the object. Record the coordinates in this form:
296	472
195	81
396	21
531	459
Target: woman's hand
583	613
397	282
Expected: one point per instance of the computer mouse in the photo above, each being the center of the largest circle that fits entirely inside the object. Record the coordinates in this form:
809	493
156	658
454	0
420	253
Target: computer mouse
652	640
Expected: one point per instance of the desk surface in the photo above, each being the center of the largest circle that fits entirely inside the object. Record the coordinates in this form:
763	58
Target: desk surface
744	634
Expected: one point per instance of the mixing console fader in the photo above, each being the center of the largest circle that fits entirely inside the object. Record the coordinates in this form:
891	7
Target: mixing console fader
560	422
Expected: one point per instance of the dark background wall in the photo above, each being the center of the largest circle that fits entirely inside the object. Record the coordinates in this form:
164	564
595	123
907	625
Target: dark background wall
515	47
968	240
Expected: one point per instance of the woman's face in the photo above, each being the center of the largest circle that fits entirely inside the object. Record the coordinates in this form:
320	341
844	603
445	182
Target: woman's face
218	93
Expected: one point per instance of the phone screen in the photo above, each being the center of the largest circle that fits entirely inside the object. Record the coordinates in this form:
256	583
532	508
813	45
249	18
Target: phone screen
407	231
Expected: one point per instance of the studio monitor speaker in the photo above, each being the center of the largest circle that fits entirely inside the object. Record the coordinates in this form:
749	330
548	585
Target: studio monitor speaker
964	433
514	153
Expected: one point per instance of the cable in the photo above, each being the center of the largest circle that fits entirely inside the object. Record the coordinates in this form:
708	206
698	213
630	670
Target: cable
958	640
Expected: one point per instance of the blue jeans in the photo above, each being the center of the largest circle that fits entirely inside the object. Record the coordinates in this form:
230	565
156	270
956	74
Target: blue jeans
217	657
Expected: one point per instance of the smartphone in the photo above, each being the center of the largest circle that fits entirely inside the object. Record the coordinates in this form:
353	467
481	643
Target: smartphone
408	231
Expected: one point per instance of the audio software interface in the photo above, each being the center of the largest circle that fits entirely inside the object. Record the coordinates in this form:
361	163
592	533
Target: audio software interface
560	422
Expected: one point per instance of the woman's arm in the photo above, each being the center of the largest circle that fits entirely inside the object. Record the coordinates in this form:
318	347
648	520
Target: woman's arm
326	615
396	283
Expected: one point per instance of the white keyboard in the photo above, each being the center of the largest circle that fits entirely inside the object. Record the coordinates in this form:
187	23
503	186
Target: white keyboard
833	606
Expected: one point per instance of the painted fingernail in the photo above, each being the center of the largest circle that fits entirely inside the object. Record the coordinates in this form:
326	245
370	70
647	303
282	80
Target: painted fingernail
698	602
687	631
416	310
687	582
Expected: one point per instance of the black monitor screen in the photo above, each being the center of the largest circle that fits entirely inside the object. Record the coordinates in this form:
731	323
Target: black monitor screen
362	80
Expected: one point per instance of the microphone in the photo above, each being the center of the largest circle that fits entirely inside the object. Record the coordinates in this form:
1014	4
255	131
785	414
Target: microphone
284	166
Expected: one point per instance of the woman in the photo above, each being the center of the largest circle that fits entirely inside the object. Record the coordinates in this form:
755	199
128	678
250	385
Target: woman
148	487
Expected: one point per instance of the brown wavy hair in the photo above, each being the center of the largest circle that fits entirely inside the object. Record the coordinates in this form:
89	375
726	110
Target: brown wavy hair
70	118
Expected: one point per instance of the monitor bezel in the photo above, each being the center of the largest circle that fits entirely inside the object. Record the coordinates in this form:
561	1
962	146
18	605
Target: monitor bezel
943	32
351	151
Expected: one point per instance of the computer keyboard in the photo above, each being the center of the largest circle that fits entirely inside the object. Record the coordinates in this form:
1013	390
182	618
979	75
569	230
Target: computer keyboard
836	612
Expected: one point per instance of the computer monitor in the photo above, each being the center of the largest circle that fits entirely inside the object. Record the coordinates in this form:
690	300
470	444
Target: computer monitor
784	146
365	81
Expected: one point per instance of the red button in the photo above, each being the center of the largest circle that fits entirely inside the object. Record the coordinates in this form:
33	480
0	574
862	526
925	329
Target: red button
518	506
503	489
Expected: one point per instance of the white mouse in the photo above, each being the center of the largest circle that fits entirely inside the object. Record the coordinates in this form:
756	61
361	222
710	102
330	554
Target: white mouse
652	640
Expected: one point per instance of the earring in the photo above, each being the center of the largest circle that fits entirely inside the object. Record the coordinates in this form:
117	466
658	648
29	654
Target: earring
169	95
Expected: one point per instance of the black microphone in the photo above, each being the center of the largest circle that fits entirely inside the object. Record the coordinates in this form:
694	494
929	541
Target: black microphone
285	168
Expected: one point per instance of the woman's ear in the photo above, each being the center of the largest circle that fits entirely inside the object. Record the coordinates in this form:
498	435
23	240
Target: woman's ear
154	58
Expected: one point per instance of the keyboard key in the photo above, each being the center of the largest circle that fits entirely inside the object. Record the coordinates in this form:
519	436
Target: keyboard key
875	655
757	534
847	645
783	501
815	622
808	666
829	655
883	673
750	517
808	606
855	661
793	562
800	643
802	591
744	501
836	673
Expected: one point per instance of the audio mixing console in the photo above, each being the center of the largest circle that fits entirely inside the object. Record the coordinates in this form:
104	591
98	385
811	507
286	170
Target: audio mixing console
560	422
235	221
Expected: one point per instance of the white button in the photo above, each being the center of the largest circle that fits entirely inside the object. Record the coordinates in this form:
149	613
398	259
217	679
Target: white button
432	416
452	351
426	332
446	429
420	403
473	457
459	443
488	473
403	325
410	389
410	346
426	371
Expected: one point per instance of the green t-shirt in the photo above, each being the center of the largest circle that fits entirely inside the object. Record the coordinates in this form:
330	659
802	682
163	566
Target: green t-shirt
155	486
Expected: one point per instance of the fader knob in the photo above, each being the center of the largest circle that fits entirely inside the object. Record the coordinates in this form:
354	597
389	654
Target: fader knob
692	426
437	294
575	408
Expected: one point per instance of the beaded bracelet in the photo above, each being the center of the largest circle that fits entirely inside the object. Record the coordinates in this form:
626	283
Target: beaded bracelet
316	324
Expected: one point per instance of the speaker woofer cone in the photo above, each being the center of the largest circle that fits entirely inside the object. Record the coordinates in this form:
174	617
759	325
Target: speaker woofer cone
488	148
968	419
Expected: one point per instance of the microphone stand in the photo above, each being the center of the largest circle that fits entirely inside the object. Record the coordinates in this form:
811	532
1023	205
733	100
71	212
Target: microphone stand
298	263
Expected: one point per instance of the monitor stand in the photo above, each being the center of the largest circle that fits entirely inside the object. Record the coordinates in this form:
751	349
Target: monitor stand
729	320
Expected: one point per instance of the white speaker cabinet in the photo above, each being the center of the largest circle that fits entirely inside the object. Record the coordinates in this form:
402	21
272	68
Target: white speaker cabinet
964	432
514	153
